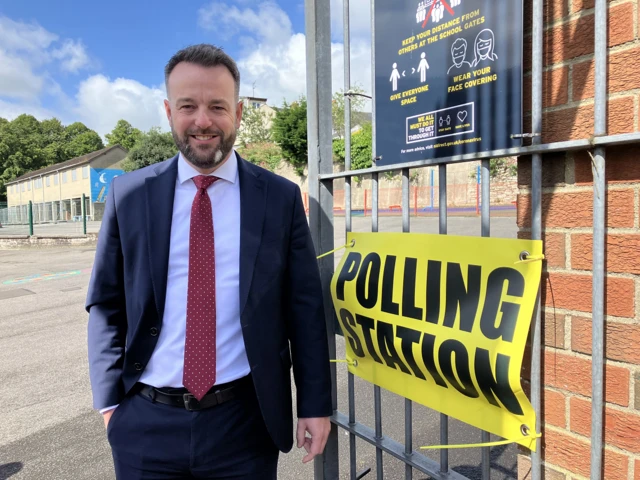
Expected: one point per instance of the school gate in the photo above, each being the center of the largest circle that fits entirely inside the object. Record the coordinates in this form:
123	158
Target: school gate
580	84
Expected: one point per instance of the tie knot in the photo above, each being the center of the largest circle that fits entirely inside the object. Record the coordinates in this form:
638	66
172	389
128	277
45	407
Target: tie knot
204	181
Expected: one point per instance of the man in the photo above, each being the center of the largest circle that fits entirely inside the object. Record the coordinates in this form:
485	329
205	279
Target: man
205	289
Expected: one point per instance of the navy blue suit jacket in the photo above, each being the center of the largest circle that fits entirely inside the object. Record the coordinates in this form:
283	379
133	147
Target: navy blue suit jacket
281	305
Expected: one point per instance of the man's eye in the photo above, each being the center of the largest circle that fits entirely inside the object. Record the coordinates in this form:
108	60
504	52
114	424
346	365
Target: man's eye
188	107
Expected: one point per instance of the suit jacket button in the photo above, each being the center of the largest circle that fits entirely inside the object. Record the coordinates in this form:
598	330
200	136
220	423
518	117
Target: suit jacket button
137	366
153	331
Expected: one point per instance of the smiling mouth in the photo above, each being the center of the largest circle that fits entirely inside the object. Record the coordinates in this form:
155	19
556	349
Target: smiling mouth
203	138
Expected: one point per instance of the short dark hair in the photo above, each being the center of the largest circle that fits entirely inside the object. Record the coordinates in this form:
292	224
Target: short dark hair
205	55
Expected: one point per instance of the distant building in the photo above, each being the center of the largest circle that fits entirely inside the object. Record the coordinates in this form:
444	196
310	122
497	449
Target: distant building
56	191
261	103
253	102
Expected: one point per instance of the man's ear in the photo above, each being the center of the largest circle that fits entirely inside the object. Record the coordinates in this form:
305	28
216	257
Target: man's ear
167	109
239	108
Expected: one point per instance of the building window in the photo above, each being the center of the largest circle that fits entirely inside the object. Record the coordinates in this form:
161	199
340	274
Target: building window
22	187
85	172
49	181
36	184
29	185
55	179
74	175
64	177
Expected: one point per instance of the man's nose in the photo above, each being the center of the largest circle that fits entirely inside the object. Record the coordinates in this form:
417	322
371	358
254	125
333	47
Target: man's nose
203	120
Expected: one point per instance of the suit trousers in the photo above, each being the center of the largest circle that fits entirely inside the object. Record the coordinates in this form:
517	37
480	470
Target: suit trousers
150	440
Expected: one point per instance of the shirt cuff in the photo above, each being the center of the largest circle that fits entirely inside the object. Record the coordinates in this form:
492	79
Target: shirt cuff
104	410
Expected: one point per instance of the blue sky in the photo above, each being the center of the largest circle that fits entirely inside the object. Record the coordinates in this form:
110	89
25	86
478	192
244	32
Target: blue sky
96	63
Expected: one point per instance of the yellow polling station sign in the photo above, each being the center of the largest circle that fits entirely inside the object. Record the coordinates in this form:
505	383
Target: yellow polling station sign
443	320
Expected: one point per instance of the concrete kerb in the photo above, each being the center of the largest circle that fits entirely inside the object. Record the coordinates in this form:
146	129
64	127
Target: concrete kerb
10	242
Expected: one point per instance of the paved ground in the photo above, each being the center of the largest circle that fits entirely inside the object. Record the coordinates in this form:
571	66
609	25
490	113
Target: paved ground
47	427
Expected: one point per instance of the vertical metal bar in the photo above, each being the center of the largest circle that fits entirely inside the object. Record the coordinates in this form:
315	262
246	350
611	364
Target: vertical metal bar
353	473
485	212
406	207
347	111
378	413
374	176
408	408
442	214
599	202
30	218
84	214
319	135
536	217
374	223
485	206
352	420
377	395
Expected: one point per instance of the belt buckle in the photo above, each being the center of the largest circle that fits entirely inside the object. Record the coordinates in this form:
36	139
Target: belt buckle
190	402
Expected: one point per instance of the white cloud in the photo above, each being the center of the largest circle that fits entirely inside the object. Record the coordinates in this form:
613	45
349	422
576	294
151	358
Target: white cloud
29	55
269	22
23	37
359	20
11	110
72	55
17	79
101	102
274	57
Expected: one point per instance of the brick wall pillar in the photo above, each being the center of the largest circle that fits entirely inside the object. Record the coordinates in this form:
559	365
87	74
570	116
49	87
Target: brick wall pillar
567	219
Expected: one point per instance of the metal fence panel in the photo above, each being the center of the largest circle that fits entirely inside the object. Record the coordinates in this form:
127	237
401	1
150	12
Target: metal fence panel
321	207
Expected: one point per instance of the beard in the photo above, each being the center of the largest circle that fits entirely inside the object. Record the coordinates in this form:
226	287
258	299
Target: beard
205	158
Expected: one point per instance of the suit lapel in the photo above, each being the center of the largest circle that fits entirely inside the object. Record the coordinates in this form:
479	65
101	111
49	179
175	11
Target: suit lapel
160	192
253	194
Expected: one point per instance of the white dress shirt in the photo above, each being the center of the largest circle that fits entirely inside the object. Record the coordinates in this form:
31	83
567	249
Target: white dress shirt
166	364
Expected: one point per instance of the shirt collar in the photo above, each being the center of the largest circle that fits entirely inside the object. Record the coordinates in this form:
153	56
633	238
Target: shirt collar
227	171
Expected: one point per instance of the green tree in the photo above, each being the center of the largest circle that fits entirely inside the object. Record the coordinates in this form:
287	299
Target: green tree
338	107
253	128
124	135
361	153
80	140
27	144
154	146
289	131
267	155
22	149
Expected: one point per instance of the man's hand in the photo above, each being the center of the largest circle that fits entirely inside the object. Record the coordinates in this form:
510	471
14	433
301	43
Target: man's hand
319	429
106	416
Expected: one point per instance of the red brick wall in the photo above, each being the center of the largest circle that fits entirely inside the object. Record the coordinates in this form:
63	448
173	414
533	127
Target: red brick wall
567	217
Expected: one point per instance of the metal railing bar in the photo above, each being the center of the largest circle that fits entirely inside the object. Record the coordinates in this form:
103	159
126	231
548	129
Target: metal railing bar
442	217
395	449
569	145
408	406
485	213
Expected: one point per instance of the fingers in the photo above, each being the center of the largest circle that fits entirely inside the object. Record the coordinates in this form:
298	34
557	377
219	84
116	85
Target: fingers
314	447
300	434
319	430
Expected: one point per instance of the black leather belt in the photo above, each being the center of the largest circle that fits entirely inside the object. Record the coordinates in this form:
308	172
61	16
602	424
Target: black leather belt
177	398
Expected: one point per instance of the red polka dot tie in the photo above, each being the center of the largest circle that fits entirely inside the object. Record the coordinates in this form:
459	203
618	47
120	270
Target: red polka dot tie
200	343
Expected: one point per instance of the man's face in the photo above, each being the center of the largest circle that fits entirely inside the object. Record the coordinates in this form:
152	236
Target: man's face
459	53
203	113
